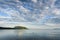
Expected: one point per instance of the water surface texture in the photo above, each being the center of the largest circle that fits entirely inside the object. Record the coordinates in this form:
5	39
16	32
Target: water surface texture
29	34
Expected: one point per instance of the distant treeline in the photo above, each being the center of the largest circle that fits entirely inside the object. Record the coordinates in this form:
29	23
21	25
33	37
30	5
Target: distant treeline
16	27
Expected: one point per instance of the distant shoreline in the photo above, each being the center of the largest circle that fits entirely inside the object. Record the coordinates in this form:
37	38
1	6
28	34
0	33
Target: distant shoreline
16	27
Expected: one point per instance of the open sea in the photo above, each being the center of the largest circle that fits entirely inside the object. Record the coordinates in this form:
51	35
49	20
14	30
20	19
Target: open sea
36	34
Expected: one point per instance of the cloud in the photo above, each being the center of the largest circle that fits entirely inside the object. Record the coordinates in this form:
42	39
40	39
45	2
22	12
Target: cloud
56	11
4	17
34	11
34	1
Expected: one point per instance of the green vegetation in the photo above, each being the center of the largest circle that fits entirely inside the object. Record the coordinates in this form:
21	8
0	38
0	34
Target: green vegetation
19	27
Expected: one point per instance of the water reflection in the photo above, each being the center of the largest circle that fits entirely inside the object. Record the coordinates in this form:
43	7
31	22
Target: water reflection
29	34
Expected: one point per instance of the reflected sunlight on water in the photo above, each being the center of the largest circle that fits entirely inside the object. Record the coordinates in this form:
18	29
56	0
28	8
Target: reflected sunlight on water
29	34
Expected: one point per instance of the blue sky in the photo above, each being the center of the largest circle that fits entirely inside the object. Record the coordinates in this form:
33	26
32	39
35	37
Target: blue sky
36	12
3	14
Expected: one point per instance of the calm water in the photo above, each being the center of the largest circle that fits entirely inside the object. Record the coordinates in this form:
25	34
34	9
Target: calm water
29	34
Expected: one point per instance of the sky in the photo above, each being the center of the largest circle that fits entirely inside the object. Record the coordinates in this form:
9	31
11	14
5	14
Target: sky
30	13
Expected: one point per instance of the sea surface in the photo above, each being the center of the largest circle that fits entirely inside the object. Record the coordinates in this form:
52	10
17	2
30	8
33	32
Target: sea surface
33	34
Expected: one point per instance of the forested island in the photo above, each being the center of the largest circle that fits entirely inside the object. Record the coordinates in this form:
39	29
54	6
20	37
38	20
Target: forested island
16	27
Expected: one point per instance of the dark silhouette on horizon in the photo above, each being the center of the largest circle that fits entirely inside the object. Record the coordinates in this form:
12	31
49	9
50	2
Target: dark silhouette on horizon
16	27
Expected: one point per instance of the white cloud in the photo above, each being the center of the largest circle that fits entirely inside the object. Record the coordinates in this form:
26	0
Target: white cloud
24	10
56	11
34	1
4	17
